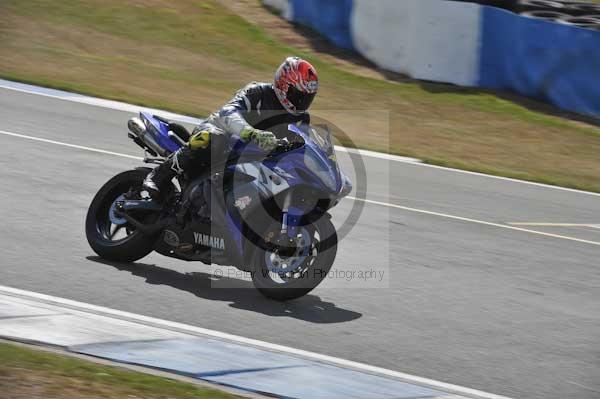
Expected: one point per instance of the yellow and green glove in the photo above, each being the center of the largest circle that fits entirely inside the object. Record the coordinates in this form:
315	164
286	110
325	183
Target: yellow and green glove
265	140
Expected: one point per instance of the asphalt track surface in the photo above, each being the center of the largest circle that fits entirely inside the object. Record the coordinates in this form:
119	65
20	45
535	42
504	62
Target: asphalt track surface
465	299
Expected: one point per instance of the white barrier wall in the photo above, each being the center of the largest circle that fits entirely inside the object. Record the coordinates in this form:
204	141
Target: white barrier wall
433	40
425	39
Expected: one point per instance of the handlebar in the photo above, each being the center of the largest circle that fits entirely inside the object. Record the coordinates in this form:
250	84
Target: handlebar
284	145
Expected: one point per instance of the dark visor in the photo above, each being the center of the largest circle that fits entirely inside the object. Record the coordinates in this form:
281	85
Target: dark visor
301	101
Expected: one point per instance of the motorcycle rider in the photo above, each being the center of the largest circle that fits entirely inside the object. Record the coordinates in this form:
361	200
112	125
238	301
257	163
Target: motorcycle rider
258	113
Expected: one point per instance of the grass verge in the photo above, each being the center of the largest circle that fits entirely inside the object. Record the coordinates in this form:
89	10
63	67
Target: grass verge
27	373
189	56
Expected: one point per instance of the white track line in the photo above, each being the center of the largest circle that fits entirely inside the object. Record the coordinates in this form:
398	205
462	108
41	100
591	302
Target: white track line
79	147
593	225
120	106
463	219
373	154
94	101
249	341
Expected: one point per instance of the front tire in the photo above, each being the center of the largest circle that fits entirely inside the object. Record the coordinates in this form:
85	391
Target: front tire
99	227
311	272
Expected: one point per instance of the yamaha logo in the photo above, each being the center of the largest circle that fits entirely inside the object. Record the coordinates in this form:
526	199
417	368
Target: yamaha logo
209	241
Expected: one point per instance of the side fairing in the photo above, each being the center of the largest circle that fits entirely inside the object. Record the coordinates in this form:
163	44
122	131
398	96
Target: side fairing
254	183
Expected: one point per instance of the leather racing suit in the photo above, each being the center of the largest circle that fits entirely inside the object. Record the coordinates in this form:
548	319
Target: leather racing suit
254	108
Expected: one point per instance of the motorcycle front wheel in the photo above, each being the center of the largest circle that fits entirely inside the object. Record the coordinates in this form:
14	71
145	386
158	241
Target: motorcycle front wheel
292	275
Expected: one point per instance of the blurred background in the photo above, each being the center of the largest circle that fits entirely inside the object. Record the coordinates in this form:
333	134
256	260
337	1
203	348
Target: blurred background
189	56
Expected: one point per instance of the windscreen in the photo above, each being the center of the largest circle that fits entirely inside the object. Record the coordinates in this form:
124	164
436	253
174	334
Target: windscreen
321	136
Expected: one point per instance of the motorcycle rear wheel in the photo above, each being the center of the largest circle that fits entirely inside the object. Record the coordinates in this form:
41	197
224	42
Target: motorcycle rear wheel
99	227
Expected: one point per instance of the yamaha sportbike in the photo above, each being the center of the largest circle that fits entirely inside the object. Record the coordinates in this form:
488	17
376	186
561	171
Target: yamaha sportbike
264	214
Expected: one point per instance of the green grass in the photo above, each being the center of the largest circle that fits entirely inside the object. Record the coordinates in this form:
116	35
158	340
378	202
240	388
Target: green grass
190	56
28	373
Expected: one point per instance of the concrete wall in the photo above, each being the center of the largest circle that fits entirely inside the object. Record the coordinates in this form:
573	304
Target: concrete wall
426	39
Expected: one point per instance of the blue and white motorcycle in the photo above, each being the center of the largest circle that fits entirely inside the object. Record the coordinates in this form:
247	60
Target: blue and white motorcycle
266	215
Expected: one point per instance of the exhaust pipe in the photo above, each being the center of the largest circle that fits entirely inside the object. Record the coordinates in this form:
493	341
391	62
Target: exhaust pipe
145	229
139	205
137	127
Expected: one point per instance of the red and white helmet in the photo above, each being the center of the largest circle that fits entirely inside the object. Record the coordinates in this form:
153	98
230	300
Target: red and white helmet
296	85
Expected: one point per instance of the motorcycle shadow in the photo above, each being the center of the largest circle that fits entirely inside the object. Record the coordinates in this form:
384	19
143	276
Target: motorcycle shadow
240	293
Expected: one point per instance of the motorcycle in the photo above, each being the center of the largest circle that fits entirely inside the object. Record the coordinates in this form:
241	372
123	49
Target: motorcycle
267	215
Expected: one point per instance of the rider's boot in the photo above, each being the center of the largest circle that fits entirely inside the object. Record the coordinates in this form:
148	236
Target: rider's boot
158	180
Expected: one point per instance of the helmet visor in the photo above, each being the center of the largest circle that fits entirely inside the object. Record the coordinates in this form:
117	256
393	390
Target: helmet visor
301	100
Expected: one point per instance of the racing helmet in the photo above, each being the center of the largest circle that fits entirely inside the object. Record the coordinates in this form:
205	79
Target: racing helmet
296	85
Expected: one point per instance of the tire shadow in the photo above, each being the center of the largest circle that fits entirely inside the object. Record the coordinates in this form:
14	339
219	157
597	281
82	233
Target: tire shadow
240	293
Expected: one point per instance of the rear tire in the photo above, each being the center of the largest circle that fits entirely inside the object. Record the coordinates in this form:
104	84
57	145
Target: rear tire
545	15
541	5
135	245
581	22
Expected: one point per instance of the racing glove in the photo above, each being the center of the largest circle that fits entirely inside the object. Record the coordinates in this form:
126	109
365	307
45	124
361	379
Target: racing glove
265	140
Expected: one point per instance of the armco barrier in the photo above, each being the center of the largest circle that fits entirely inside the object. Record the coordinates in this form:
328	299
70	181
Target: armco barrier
465	44
549	61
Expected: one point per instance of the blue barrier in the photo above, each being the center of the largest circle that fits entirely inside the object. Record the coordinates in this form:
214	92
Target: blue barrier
331	18
556	63
545	60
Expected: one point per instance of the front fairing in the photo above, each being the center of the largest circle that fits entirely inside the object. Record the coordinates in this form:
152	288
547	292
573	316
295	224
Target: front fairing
319	159
310	170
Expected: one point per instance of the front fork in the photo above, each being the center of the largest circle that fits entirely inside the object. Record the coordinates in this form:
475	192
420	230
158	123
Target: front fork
290	219
286	213
291	216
